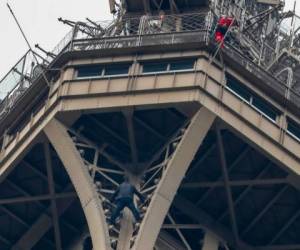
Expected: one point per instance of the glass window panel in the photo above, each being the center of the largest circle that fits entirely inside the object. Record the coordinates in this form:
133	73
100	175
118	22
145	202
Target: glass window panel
182	65
155	67
265	107
117	69
238	88
89	71
294	128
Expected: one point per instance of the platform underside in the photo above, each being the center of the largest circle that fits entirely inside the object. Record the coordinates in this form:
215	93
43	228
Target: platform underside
265	197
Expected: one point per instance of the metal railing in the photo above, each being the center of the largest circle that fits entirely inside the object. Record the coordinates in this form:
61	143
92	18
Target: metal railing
129	33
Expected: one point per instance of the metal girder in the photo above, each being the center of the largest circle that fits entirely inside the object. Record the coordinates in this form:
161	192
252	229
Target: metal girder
97	147
146	4
238	183
199	161
41	226
181	236
244	192
51	186
37	198
264	210
224	168
285	227
166	241
182	226
5	240
79	175
128	113
172	178
210	242
110	131
208	223
280	247
149	128
236	161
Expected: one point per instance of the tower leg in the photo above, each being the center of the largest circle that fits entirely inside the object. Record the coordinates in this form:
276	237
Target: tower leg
79	175
210	242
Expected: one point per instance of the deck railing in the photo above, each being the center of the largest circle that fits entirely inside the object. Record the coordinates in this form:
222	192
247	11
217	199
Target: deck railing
124	33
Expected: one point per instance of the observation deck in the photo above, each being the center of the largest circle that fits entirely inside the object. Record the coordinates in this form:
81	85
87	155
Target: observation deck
149	97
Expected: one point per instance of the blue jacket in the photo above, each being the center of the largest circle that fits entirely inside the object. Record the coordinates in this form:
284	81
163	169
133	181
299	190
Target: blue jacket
126	190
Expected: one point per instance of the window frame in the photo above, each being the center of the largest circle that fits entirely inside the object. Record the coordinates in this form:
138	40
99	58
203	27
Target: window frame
103	70
294	123
168	66
252	96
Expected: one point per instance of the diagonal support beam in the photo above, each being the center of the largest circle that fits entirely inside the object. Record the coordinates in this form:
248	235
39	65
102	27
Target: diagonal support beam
51	185
174	173
128	113
208	223
264	210
79	175
231	167
37	198
41	226
285	227
227	185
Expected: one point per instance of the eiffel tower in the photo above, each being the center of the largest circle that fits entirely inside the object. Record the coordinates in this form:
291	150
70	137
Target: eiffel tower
209	133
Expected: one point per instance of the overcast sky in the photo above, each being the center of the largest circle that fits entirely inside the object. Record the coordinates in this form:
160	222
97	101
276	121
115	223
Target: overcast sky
39	21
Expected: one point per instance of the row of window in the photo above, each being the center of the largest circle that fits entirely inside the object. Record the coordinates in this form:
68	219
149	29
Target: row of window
123	69
102	70
260	104
233	85
255	101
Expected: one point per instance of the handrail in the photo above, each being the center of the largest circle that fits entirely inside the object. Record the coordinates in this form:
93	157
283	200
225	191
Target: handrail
124	33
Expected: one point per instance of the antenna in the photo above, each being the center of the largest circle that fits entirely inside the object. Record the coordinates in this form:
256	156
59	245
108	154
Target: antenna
24	36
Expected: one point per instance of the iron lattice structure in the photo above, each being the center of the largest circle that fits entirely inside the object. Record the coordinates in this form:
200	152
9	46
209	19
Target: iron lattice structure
209	135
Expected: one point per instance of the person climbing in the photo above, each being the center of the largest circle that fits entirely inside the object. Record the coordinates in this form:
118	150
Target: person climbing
224	23
87	243
123	197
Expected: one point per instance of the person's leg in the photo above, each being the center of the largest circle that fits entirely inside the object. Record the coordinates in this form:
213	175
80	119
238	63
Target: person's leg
116	213
134	210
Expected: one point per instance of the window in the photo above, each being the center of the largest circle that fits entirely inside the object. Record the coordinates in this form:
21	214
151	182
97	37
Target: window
89	71
154	67
158	66
102	70
238	88
116	69
182	65
294	128
265	107
255	101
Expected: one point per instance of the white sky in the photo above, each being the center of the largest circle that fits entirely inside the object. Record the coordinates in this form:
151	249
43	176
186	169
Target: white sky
39	21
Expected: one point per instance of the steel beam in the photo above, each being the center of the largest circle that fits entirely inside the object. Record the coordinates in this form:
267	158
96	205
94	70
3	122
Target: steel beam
79	175
51	186
41	226
181	236
238	183
128	113
285	227
210	242
208	223
231	167
224	168
166	241
279	247
264	210
174	173
37	198
244	192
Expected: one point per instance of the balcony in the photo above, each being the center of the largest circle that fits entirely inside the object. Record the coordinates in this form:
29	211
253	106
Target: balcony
178	31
